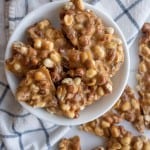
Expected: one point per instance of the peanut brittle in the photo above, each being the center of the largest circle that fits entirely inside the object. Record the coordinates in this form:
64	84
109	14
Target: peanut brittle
125	141
42	50
128	142
118	138
24	58
143	75
104	126
43	35
144	90
79	25
86	31
70	96
73	96
128	107
37	89
70	144
144	66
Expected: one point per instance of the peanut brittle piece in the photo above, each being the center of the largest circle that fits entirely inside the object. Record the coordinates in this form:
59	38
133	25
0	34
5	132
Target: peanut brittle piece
104	126
128	107
43	35
87	32
143	88
70	96
79	25
70	144
143	79
37	89
73	95
128	142
24	58
125	141
143	75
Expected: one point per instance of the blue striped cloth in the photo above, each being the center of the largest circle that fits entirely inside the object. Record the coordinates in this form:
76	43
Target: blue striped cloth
19	130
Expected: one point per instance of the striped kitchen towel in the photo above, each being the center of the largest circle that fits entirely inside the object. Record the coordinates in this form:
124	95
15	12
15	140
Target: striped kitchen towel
19	130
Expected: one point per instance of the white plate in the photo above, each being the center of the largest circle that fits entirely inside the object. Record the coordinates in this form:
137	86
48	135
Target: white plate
51	11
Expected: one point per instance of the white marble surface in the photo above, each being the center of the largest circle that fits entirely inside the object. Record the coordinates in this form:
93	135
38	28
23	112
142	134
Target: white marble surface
2	29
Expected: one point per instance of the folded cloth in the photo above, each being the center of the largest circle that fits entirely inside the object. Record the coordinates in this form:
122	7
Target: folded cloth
18	128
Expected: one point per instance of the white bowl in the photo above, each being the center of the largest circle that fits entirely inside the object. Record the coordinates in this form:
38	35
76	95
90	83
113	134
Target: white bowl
51	11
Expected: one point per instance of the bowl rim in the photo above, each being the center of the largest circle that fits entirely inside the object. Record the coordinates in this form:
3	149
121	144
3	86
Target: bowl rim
126	52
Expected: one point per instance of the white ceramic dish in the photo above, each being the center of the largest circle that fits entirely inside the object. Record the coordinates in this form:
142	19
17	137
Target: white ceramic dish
51	12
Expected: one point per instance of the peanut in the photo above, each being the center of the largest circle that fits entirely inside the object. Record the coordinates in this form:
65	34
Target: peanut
48	45
37	43
126	106
61	92
83	56
43	24
99	51
68	20
17	66
77	81
48	63
90	73
109	30
39	76
115	131
55	56
24	50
